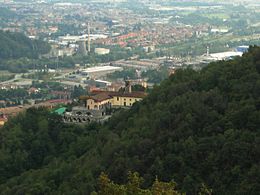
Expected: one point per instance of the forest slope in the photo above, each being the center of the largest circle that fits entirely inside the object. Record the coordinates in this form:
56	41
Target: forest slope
196	128
17	45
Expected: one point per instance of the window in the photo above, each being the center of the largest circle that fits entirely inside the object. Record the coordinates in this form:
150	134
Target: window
130	100
117	98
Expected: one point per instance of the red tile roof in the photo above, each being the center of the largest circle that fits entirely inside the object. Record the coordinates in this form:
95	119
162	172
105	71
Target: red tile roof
105	95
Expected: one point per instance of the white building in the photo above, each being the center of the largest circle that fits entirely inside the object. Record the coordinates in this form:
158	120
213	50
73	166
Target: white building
219	30
224	55
97	71
102	51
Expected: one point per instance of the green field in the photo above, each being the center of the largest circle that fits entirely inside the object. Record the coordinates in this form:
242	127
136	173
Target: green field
5	75
216	15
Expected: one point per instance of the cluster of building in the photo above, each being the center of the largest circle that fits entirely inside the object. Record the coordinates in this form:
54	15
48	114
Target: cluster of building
16	98
103	94
102	27
71	31
238	52
98	105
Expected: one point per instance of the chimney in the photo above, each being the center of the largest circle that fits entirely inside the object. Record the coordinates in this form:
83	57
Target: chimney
88	38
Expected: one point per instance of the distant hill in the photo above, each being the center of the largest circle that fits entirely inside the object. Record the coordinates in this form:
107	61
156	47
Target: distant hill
16	45
197	128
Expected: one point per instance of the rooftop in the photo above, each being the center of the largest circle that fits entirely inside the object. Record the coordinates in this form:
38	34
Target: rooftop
60	111
100	69
105	95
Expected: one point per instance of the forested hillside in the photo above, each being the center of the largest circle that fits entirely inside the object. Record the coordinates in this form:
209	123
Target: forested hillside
6	13
17	45
196	128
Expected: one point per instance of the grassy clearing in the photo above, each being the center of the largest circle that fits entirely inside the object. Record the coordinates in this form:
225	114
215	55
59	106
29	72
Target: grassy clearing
5	75
216	15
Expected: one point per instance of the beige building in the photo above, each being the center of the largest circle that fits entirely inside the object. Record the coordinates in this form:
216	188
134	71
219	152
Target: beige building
103	100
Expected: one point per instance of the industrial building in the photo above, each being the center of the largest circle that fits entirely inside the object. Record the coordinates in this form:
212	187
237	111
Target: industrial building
242	48
98	83
74	39
225	55
98	71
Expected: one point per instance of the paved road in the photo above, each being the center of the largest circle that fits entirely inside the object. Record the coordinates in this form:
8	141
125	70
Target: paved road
17	77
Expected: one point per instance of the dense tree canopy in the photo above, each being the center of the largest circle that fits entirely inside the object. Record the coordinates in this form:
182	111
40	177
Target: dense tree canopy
133	187
200	129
